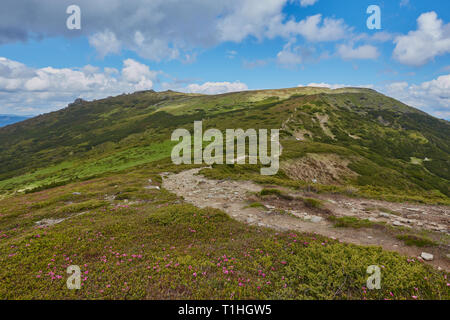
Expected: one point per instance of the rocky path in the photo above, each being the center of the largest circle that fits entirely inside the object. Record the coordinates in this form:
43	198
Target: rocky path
232	197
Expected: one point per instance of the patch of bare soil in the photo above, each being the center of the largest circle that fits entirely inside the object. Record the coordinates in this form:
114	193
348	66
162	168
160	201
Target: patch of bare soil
302	134
51	222
233	198
323	168
323	120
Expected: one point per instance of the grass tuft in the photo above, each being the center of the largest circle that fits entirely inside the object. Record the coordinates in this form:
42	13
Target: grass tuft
415	240
351	222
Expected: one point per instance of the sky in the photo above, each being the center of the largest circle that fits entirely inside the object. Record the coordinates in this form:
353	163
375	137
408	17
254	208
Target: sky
220	46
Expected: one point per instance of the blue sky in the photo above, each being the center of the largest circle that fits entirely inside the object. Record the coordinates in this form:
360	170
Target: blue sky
221	46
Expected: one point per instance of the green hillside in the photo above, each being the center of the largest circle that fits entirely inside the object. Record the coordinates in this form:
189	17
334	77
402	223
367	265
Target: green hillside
390	150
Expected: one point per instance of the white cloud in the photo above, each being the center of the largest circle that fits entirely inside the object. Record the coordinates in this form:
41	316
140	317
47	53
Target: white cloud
154	48
305	3
111	71
231	54
27	90
397	87
164	30
361	52
249	17
10	69
105	43
313	28
404	3
290	55
136	72
264	18
216	87
430	96
293	55
89	69
431	39
330	30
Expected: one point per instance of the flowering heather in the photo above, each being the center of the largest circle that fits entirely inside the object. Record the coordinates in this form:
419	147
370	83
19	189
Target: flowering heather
136	249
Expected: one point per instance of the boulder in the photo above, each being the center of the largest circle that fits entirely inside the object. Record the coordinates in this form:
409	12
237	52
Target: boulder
152	187
426	256
316	219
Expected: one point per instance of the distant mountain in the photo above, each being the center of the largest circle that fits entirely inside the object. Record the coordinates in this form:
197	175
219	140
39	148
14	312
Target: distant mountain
6	119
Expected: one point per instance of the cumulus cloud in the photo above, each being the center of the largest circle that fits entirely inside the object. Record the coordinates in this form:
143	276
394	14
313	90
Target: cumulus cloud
431	39
249	17
430	96
305	3
313	28
105	43
27	90
161	29
290	55
215	87
264	18
135	72
362	52
397	87
293	54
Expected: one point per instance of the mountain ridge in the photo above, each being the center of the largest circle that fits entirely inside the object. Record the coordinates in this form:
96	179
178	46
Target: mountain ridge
381	130
307	90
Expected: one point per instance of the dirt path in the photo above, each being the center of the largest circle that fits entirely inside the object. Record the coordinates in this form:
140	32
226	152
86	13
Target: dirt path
232	197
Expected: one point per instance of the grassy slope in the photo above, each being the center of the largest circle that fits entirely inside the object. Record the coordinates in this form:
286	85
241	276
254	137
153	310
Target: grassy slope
389	133
155	246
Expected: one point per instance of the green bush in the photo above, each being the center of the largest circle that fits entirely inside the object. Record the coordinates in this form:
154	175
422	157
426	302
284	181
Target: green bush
313	203
256	205
268	192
